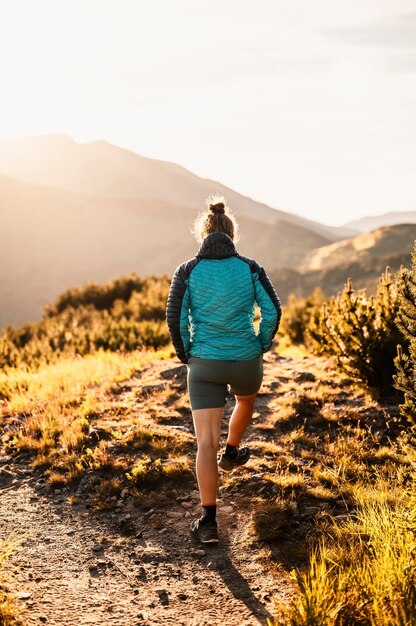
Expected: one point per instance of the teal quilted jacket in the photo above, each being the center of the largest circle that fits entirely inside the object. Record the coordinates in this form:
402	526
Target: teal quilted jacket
210	307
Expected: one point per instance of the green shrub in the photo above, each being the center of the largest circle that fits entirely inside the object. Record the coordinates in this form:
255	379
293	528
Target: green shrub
405	362
298	313
126	314
361	332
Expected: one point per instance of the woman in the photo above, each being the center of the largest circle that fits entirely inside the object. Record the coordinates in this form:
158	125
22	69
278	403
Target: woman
210	313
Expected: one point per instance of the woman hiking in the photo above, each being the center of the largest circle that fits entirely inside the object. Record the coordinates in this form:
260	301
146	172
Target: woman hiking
210	313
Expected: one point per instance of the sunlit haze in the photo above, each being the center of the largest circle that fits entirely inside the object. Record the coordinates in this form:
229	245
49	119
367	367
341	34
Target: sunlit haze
307	106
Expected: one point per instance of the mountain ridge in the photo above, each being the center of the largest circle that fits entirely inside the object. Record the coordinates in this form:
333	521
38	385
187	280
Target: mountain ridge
391	218
55	238
19	159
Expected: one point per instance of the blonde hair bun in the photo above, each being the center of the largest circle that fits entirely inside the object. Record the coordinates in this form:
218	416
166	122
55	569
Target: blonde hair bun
218	208
215	218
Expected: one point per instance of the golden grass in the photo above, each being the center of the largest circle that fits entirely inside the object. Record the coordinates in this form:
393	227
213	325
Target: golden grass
66	382
64	428
363	570
10	613
270	520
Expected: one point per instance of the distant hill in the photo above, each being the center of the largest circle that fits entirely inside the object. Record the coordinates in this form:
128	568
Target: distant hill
95	211
386	219
71	213
363	258
53	239
101	169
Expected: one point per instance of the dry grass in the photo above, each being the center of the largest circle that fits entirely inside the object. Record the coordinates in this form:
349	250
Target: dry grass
329	472
66	414
364	570
10	613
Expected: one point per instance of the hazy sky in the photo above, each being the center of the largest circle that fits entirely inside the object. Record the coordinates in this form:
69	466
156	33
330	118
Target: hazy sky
308	106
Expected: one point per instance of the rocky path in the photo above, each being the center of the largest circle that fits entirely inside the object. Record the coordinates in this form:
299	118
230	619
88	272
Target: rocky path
73	568
78	567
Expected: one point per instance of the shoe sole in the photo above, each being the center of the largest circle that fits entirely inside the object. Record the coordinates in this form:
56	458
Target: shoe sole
212	540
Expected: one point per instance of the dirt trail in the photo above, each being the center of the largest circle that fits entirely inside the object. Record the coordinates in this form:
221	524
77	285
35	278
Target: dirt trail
80	567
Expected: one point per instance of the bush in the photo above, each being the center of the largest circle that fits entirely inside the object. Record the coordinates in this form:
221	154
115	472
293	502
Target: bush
100	296
126	314
405	362
361	332
298	314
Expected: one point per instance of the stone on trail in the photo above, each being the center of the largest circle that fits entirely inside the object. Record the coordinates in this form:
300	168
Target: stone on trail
23	595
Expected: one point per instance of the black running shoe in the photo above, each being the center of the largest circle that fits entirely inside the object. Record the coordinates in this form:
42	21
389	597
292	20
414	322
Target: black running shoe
206	533
228	463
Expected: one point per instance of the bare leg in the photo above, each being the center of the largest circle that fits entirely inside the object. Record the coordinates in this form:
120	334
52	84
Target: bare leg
207	423
240	418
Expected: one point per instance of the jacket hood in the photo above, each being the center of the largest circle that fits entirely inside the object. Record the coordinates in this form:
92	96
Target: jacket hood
216	246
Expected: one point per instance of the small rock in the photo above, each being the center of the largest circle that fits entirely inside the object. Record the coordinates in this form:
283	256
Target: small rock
182	596
187	505
97	547
199	552
23	595
162	531
163	596
71	531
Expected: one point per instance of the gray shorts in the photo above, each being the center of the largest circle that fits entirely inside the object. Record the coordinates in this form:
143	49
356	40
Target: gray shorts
208	380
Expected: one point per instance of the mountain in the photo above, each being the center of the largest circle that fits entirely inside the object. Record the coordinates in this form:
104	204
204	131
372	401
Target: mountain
71	213
363	258
53	239
101	169
386	219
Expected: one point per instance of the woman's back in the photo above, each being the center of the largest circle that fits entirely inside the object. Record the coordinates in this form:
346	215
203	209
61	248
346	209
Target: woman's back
210	309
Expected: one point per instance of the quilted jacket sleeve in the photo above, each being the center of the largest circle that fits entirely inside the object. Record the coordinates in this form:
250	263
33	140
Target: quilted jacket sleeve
270	307
177	314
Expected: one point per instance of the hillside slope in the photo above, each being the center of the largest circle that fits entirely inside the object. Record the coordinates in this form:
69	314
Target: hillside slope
372	222
53	239
99	168
362	258
382	242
